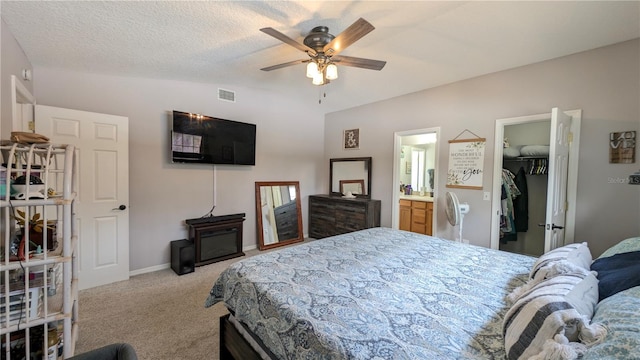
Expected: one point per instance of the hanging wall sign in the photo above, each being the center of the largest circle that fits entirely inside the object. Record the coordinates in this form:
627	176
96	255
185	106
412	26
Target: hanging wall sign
622	147
466	163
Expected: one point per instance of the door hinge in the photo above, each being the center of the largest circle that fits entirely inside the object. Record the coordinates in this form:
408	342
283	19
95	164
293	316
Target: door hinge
570	138
32	125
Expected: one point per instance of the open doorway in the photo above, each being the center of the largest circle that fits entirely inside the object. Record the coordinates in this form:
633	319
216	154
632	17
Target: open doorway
534	182
415	180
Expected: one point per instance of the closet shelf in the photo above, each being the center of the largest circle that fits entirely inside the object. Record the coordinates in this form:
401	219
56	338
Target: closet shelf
526	158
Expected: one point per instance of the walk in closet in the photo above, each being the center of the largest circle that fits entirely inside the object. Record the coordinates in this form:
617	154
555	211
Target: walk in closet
524	199
38	266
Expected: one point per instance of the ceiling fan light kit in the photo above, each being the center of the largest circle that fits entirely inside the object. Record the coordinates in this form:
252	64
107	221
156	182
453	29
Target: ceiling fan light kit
323	48
331	72
312	70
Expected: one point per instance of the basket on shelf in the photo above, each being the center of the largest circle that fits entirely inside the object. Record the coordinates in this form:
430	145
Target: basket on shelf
36	228
18	307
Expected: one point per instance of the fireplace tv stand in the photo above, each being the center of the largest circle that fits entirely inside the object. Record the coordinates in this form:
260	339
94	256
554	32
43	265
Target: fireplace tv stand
216	238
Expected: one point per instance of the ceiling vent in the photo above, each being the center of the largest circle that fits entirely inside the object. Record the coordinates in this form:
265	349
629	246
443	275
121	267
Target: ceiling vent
226	95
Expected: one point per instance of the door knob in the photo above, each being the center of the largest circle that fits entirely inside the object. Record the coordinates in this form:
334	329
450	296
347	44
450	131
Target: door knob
121	207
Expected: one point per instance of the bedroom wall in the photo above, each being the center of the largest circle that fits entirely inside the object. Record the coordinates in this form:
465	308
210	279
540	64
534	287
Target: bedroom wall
12	61
162	194
604	83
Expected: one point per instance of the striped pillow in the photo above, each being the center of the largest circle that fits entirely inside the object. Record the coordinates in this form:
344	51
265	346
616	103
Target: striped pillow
548	316
577	253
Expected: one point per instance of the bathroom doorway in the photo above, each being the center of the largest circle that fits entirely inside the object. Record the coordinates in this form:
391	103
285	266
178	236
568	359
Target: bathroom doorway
415	172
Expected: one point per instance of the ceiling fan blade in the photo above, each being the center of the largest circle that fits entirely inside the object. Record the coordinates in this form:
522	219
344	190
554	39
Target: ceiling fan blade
284	38
290	63
359	62
350	35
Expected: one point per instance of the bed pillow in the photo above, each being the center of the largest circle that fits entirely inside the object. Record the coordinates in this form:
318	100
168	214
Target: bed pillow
554	315
577	254
626	245
512	151
621	316
617	273
535	150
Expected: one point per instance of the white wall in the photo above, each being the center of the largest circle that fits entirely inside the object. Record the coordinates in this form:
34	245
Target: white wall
604	83
162	194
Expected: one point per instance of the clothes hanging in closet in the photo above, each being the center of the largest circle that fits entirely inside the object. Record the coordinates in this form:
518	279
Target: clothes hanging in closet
521	203
515	205
509	192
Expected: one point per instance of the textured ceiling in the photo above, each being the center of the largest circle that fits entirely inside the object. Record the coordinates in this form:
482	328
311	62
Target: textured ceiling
425	43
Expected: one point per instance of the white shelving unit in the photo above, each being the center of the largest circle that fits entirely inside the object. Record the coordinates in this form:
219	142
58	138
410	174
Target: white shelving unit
42	262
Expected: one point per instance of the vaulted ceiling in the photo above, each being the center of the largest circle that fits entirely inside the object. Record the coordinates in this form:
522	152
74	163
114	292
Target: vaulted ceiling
425	43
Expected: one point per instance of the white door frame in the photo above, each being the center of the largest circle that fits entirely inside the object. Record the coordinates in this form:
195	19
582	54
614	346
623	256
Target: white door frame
572	177
395	192
22	103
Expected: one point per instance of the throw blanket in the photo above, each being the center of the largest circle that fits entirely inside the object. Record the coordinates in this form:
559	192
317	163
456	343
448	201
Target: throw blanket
376	293
617	273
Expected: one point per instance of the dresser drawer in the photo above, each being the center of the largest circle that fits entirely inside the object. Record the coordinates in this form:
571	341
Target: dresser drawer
347	221
350	208
329	215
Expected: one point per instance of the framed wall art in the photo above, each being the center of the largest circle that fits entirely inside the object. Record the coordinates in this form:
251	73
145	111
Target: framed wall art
351	139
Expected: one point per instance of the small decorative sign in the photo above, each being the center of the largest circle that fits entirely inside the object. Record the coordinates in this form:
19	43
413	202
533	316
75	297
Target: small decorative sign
351	139
466	163
622	147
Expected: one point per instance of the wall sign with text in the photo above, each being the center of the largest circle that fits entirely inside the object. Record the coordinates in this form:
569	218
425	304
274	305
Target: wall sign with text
622	147
466	163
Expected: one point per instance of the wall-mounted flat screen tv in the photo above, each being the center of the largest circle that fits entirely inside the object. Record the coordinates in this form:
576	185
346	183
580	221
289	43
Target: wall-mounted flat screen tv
204	139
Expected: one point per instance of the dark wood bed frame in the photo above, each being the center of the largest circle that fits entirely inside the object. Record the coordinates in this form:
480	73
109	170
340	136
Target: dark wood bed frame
233	345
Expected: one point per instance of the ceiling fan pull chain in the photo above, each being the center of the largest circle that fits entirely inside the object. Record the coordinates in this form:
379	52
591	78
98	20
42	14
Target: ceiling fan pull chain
321	94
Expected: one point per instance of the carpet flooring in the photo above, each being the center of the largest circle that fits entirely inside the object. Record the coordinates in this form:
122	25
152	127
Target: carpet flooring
161	314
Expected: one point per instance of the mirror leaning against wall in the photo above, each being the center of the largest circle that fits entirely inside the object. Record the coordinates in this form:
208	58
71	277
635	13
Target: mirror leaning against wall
278	213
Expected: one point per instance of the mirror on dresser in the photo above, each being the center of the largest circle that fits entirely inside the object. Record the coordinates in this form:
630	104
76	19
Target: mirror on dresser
278	213
350	175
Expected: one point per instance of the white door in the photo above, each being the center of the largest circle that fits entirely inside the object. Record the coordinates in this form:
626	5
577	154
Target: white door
557	183
102	143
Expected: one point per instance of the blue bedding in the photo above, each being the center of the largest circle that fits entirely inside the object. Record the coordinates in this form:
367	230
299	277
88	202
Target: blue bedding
376	293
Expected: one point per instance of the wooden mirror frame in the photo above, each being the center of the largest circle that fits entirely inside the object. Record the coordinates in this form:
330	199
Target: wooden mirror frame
282	216
339	179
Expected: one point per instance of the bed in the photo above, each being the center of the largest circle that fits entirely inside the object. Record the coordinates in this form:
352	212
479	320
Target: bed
374	294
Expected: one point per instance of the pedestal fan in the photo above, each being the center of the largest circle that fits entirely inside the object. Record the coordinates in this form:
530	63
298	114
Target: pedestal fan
455	212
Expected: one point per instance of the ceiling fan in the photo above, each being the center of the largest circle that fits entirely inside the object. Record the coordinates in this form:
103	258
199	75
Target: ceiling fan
323	49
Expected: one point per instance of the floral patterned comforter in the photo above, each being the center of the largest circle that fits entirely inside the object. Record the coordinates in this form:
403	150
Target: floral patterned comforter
375	294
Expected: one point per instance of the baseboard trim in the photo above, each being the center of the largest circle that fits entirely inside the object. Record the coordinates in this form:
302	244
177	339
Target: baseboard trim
149	269
251	247
168	265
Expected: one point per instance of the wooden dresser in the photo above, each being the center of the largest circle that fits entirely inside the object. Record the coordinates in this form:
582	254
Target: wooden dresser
334	215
